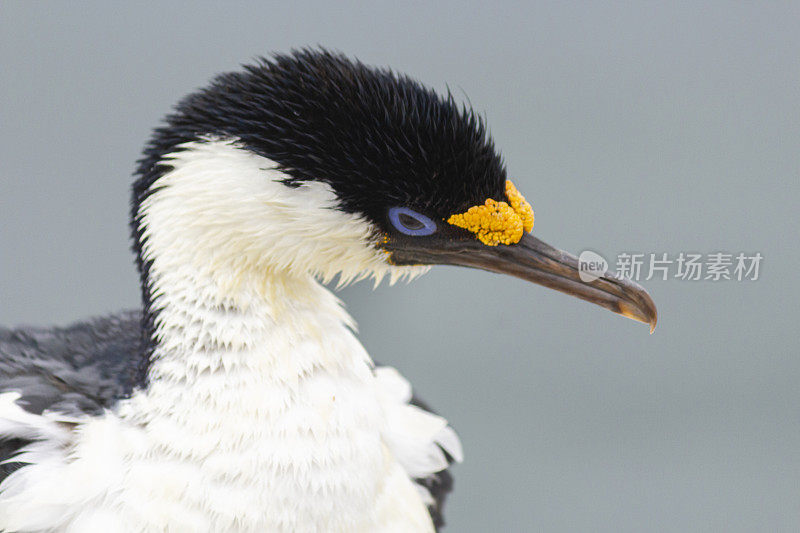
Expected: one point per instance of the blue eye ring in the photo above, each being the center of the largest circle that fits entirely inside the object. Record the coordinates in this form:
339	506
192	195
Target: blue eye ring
420	226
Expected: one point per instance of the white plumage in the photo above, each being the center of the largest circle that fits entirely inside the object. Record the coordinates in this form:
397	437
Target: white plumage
263	412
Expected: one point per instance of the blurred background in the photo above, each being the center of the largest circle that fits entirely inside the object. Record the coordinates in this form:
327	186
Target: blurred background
630	127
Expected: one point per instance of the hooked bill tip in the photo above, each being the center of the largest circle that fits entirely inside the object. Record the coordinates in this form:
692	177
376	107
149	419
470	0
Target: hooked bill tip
647	314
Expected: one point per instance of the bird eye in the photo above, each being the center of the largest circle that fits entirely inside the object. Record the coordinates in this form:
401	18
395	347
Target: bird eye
410	222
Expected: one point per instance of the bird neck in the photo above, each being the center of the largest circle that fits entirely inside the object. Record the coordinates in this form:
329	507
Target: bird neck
232	358
277	326
263	387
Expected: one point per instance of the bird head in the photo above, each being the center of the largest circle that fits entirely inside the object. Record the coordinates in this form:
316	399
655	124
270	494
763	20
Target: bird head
314	163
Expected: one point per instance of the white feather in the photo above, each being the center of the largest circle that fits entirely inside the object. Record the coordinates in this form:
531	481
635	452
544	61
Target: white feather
263	412
17	422
415	436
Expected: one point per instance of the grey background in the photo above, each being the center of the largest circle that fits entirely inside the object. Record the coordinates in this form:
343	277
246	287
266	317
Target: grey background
629	127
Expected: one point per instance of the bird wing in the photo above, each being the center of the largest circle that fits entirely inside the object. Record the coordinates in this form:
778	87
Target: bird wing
76	370
422	441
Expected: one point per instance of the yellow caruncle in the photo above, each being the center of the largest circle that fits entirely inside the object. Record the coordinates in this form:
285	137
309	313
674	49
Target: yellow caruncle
498	222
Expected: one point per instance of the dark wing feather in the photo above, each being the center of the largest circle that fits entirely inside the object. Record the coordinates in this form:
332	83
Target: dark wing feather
82	368
439	484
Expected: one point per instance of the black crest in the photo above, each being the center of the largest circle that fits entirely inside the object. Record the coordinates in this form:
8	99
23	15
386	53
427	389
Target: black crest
378	138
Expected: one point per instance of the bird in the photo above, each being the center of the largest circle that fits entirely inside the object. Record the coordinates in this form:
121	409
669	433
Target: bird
238	398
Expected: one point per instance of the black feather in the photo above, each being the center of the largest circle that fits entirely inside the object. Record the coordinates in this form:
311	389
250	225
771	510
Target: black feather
378	138
82	368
